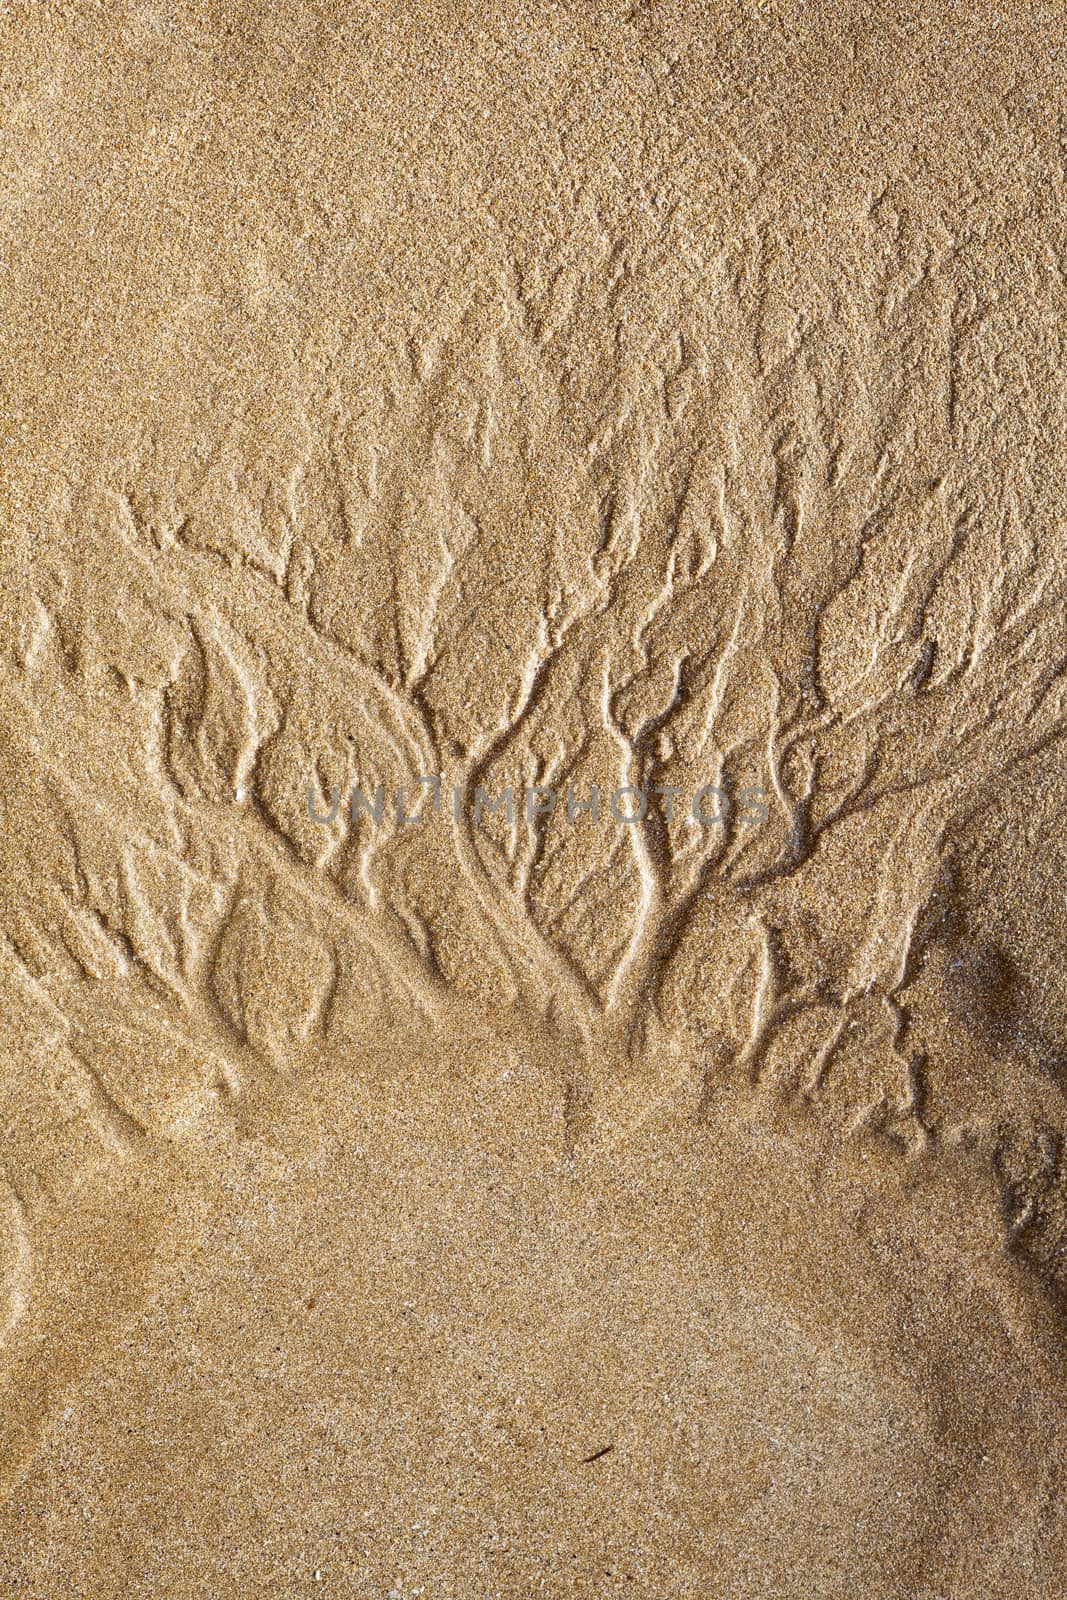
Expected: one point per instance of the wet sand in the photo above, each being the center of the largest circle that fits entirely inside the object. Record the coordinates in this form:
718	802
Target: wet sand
532	696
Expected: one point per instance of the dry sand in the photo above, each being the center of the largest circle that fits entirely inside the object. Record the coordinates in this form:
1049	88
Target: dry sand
663	398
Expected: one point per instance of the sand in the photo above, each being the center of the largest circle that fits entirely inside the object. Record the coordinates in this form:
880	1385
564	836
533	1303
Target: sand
533	682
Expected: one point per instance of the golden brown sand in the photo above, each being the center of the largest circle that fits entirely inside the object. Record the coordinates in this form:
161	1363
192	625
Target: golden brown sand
663	398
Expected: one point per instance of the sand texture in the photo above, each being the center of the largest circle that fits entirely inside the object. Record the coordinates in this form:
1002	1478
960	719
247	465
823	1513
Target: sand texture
533	694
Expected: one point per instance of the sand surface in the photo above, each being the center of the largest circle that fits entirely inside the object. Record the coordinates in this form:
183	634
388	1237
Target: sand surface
533	683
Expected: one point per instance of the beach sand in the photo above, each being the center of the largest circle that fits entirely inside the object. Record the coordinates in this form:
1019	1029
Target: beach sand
533	682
